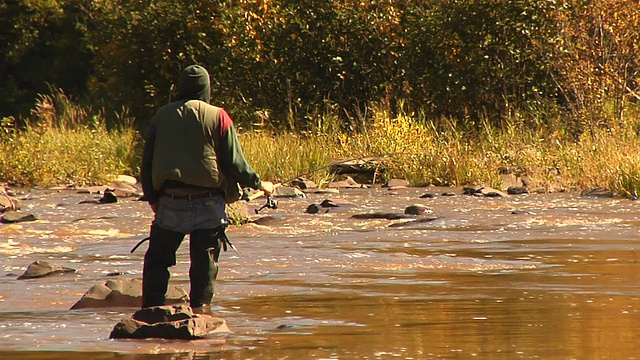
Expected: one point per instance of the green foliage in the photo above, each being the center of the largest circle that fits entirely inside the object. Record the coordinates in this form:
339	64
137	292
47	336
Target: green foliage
43	43
476	58
293	61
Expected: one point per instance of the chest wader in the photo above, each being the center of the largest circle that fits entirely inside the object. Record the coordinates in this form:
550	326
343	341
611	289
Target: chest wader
204	252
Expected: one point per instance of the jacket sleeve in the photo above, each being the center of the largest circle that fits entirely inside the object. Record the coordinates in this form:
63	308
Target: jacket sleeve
231	158
146	179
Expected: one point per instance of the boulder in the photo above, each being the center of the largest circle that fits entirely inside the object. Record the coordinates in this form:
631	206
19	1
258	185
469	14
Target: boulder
124	292
312	209
169	322
127	179
303	184
417	209
517	190
124	189
39	269
288	192
348	182
328	203
17	216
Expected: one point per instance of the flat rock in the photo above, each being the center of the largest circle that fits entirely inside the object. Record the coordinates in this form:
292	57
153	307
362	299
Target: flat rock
348	183
414	222
269	220
17	216
39	269
332	191
288	192
124	292
598	192
380	215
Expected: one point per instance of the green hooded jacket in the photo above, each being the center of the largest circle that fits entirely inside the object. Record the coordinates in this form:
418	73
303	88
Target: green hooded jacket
191	142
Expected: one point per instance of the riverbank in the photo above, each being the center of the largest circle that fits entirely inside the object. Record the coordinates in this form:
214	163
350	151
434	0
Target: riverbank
421	151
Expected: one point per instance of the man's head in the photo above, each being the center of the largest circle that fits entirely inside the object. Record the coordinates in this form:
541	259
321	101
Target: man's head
194	84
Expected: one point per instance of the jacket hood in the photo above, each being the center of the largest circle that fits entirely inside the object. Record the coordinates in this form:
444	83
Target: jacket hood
194	84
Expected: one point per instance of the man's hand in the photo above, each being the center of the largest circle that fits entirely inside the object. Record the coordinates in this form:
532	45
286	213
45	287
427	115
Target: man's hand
266	187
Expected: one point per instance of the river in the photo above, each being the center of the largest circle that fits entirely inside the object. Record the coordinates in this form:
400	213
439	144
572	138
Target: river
535	276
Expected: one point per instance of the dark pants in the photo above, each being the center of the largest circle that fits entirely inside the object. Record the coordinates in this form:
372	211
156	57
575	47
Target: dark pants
204	251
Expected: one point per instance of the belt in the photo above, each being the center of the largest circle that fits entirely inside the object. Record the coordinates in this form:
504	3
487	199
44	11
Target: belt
190	196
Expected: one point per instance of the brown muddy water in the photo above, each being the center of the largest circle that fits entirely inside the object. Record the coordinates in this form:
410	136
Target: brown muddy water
549	276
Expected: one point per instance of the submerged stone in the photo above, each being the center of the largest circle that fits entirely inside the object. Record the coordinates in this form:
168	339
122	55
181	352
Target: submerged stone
379	215
414	222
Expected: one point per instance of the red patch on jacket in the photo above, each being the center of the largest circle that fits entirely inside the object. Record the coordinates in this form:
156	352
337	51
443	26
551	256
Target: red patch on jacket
225	122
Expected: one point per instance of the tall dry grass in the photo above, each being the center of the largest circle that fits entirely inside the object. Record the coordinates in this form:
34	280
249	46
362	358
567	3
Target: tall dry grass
66	144
428	152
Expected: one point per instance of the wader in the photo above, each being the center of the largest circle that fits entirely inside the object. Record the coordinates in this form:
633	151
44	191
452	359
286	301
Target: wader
205	221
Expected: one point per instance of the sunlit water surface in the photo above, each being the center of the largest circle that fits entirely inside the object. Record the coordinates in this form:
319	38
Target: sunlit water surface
551	276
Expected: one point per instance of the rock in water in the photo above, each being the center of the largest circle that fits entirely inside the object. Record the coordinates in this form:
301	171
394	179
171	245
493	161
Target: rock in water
16	217
312	209
417	209
38	269
169	322
124	292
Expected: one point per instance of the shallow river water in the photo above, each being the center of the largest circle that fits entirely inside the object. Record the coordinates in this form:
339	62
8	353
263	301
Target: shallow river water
537	276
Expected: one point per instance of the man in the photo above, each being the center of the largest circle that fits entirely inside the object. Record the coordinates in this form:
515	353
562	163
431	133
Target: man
191	151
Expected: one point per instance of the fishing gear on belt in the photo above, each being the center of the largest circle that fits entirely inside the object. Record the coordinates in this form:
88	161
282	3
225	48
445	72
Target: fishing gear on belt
226	243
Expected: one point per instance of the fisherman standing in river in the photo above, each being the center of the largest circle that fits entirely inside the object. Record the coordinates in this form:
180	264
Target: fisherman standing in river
191	158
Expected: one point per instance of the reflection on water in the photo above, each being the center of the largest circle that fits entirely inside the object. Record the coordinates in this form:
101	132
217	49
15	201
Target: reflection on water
524	277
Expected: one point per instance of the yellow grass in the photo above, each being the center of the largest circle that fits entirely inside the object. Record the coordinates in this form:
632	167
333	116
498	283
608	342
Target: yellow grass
70	147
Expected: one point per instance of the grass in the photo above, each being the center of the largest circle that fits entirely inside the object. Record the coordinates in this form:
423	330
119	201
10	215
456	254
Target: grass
64	144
